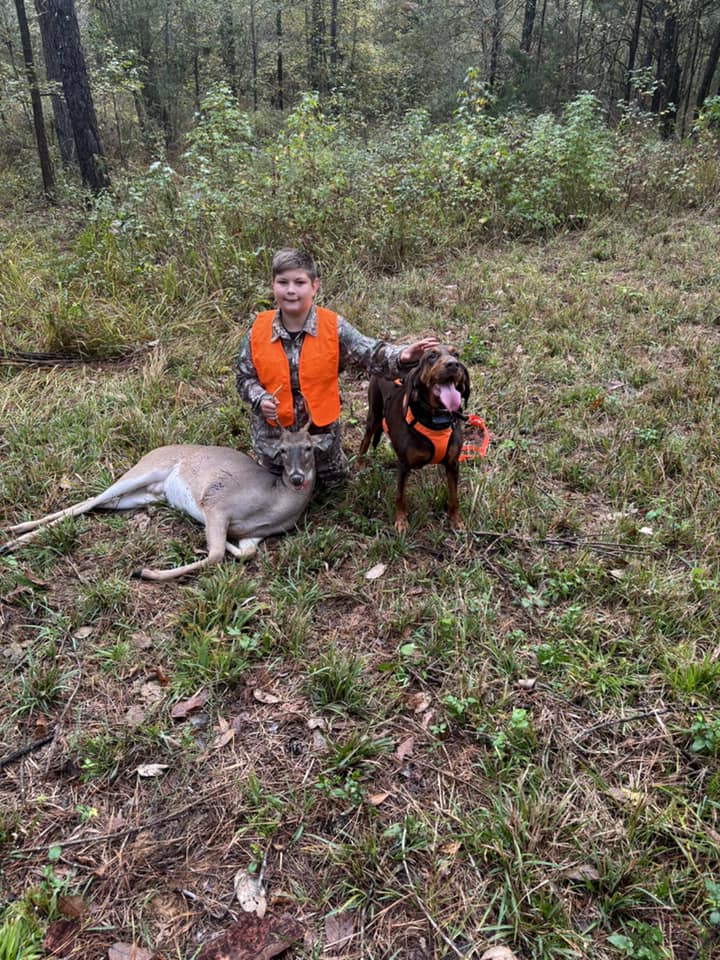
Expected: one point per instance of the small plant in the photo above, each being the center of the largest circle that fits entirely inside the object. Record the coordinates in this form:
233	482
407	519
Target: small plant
20	939
337	685
640	941
712	891
706	735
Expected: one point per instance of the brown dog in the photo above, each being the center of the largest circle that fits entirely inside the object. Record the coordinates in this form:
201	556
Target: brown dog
423	419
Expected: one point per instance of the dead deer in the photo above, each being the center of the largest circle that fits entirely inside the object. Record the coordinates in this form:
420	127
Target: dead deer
221	488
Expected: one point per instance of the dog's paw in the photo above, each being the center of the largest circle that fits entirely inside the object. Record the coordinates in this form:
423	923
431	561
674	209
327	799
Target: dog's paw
401	524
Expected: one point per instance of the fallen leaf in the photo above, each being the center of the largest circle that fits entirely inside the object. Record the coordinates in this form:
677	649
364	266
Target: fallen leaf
405	748
450	848
375	799
253	938
162	678
152	692
419	702
250	893
498	953
83	633
263	697
183	707
151	769
339	929
623	795
135	716
128	951
72	906
583	871
60	937
617	574
527	683
375	572
223	739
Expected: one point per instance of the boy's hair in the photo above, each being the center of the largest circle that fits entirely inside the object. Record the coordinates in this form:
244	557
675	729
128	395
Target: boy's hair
291	259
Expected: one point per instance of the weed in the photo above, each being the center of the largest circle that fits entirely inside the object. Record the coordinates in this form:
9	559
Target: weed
336	684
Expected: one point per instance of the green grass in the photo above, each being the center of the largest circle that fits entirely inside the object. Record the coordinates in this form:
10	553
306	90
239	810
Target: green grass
510	737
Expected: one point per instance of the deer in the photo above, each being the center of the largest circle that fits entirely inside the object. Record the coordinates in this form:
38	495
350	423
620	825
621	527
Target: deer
223	489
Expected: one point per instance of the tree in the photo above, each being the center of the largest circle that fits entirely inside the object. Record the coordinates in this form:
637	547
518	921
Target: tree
38	121
64	35
61	116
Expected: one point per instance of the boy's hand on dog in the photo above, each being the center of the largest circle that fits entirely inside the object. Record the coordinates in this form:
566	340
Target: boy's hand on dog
414	351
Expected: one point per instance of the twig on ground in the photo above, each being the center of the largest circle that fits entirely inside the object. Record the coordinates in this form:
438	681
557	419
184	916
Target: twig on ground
28	748
619	721
577	543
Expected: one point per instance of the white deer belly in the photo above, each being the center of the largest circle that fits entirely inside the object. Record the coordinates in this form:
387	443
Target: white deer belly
179	495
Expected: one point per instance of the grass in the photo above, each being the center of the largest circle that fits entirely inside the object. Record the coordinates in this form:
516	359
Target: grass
510	737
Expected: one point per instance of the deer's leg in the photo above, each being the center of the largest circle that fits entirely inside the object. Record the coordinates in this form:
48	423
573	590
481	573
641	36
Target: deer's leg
135	488
245	549
216	539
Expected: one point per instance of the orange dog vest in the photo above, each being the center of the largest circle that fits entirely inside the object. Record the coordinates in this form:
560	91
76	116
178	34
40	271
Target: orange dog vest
317	368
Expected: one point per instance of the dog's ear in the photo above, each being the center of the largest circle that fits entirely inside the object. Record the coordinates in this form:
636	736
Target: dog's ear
464	383
411	382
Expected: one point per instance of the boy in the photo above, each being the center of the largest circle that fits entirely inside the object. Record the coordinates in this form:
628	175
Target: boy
290	360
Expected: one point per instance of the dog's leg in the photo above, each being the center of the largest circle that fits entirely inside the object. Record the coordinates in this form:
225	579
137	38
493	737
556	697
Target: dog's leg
452	471
400	519
373	426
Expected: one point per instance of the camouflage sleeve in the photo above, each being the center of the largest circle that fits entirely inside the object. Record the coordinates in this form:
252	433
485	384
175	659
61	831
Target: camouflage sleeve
374	356
246	381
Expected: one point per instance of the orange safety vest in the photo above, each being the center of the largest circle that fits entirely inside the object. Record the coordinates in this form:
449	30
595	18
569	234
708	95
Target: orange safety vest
317	369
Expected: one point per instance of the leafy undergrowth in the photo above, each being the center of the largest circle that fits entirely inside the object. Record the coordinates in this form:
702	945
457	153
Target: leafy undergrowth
507	736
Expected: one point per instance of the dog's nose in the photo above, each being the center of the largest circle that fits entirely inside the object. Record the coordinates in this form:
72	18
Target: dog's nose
451	364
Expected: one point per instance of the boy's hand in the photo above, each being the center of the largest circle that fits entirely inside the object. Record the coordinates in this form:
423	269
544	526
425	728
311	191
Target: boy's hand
269	407
414	351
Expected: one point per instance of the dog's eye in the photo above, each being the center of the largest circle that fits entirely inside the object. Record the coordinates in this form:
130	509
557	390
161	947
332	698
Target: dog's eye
432	355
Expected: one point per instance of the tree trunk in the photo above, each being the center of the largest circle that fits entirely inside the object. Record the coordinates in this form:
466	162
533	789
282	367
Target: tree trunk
317	46
61	116
528	24
38	122
495	43
254	55
64	34
279	36
709	71
632	50
333	36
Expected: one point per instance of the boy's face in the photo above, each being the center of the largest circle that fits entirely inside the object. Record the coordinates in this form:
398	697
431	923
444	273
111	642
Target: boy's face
294	293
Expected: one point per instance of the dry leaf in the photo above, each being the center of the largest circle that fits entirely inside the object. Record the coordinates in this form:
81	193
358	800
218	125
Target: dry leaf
72	906
405	748
151	769
584	871
184	707
83	633
223	739
263	697
250	893
152	692
375	799
623	795
253	938
527	683
60	937
339	929
419	702
128	951
498	953
135	716
375	572
450	848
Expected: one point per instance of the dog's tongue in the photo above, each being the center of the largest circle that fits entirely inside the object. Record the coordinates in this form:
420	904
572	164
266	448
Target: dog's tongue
449	396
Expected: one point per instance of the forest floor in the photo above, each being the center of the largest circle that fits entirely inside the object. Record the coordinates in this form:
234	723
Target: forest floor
420	746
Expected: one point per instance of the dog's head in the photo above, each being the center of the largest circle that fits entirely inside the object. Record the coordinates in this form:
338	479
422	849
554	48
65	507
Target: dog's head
439	379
